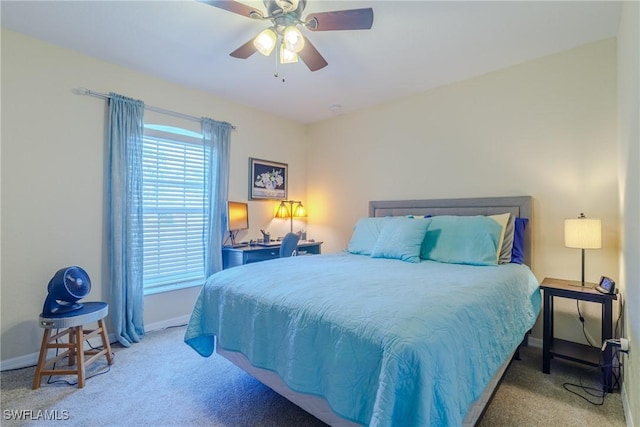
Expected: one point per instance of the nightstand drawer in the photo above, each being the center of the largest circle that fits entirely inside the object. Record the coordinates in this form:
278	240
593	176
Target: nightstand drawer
262	255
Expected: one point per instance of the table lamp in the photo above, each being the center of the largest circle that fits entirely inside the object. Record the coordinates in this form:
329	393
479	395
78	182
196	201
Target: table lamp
291	212
583	233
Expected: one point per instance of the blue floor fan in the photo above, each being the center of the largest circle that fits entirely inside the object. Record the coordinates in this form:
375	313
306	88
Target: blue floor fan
66	288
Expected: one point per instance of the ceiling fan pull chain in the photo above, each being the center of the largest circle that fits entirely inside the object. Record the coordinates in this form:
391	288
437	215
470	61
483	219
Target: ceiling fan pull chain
275	74
277	57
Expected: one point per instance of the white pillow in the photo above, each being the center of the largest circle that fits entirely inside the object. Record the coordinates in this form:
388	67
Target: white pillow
503	220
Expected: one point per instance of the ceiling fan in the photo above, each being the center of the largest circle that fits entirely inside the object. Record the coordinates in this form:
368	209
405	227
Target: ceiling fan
286	16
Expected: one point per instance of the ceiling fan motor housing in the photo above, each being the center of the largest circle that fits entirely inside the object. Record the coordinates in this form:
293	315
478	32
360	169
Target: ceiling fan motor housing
286	6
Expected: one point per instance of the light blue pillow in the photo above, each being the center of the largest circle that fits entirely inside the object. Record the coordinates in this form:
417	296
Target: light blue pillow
401	238
470	240
365	235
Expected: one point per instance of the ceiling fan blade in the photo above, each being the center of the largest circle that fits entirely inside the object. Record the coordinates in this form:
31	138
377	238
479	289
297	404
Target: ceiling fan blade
311	57
244	51
235	7
354	19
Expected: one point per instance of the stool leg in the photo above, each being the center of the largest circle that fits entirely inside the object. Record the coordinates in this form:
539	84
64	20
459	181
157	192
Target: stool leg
105	340
79	341
72	346
41	359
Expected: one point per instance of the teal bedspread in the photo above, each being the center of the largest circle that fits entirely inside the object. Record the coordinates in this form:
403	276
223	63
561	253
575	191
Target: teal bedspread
385	342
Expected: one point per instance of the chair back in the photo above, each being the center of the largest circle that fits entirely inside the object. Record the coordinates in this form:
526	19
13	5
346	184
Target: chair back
289	245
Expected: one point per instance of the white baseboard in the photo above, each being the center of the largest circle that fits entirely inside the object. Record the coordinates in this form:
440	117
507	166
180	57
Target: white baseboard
19	362
32	359
626	405
176	321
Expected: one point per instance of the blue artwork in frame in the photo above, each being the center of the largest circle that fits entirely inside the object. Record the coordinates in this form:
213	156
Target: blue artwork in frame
267	180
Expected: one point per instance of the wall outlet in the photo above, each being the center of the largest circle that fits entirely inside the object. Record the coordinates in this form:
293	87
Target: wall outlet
624	345
621	343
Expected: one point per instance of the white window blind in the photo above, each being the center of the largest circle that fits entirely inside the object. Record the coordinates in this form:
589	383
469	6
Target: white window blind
174	212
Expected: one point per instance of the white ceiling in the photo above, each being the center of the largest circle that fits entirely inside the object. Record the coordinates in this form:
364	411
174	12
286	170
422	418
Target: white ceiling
412	47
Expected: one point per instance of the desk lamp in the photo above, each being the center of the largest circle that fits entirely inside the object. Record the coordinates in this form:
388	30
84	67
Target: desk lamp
290	212
583	233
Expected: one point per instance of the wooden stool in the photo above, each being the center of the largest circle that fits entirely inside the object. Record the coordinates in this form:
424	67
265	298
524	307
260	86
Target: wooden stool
73	322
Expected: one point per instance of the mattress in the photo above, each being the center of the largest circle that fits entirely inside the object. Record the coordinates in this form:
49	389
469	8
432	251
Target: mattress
382	341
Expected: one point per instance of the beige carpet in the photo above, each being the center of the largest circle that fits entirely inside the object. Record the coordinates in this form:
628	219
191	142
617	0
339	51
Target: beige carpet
163	382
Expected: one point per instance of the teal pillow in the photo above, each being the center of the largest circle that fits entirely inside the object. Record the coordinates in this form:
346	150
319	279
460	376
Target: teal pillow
365	235
401	238
470	240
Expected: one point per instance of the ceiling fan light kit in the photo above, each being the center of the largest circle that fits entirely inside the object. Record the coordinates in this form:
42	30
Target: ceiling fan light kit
265	41
286	16
293	39
287	56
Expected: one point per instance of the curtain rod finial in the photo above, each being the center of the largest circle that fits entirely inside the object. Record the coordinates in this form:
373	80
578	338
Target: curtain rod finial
80	90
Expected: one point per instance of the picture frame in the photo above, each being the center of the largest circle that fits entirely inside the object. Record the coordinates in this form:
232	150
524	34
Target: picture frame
268	180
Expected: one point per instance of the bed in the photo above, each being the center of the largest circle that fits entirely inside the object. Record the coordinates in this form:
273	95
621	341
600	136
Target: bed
385	333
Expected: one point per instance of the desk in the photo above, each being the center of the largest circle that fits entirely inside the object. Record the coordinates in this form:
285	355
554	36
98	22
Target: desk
581	353
232	257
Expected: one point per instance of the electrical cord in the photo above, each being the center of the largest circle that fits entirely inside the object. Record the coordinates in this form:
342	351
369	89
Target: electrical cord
601	393
584	331
588	390
616	366
591	392
104	371
617	332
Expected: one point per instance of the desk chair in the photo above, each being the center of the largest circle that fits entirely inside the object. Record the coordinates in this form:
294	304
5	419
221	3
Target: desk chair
289	245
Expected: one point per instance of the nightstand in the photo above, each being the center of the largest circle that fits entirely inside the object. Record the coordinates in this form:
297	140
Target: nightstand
555	347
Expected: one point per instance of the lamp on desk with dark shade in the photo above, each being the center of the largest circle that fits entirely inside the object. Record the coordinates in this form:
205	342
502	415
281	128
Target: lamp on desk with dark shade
583	233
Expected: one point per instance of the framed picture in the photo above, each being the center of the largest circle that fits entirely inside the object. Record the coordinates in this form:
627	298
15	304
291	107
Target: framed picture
267	180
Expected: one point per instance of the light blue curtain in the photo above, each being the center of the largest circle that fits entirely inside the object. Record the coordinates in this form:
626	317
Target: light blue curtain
216	136
124	199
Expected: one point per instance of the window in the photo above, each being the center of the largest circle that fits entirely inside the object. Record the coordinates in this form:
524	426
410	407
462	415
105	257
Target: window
174	208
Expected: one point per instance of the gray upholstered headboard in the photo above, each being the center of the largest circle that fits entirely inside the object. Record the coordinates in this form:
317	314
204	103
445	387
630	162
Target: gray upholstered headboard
519	206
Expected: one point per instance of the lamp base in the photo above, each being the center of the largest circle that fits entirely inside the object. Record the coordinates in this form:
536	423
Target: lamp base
580	284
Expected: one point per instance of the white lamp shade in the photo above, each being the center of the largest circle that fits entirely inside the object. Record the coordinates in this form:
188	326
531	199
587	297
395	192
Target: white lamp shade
287	56
293	39
265	41
583	233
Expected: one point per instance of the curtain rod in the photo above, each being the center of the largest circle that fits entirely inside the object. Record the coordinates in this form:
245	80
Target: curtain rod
89	92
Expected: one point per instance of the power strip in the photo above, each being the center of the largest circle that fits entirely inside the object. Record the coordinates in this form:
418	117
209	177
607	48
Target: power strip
622	343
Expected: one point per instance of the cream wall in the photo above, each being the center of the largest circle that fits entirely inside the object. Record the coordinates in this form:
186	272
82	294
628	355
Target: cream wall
53	150
545	128
629	176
